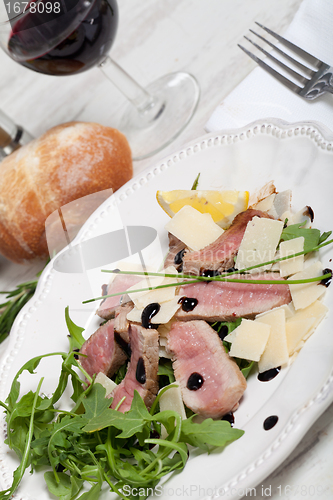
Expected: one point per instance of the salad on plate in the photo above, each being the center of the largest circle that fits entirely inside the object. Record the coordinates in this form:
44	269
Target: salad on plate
239	293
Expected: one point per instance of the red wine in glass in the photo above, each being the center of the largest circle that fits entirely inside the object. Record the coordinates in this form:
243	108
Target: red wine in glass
65	37
32	37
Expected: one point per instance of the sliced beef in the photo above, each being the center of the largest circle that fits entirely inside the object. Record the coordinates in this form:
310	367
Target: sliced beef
210	381
121	327
176	251
121	283
219	255
121	323
103	353
226	301
142	370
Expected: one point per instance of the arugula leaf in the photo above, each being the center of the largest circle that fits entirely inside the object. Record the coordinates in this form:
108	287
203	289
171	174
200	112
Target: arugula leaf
324	236
120	375
30	366
92	442
311	236
16	439
58	438
170	445
19	472
209	432
244	365
165	369
76	338
228	326
66	488
96	402
129	423
223	328
13	407
92	494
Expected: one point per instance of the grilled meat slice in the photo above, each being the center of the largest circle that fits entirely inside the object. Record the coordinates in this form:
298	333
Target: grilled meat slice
219	255
226	301
121	327
103	353
121	283
175	255
142	370
121	323
210	381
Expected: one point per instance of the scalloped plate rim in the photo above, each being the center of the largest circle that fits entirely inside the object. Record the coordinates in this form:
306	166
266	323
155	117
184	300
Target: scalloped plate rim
309	413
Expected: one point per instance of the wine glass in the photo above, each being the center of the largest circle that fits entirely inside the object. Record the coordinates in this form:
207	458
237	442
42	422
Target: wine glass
66	37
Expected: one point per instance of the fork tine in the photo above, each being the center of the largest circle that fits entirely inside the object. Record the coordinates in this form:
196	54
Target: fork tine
302	79
299	65
291	85
310	58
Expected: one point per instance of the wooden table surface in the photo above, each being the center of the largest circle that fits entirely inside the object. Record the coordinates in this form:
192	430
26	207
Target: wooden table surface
156	37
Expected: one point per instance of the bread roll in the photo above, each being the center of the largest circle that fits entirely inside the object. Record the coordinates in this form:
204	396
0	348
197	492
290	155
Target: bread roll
66	163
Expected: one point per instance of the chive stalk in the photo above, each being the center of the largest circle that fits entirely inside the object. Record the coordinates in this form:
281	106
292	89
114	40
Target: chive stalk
231	280
223	277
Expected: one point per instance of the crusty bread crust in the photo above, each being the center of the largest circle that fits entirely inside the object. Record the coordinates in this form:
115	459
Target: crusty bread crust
66	163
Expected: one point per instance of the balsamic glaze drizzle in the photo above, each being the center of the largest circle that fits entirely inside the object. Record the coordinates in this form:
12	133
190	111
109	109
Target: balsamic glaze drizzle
309	212
153	435
178	259
229	417
269	374
326	281
140	373
194	381
209	273
223	332
148	313
188	304
269	422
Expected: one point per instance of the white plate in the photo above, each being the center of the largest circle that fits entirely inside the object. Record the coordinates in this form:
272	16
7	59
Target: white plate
297	156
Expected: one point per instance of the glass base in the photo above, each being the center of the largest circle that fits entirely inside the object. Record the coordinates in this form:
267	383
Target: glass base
175	99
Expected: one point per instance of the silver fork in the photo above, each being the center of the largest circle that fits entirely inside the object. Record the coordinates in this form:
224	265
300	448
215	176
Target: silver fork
312	82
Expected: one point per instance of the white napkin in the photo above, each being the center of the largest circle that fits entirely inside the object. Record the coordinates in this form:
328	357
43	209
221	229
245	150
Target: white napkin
260	95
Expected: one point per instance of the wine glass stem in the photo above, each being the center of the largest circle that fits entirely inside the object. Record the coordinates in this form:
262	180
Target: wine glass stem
147	105
12	136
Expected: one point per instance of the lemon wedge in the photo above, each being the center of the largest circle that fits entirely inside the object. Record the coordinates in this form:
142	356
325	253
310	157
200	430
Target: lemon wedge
223	206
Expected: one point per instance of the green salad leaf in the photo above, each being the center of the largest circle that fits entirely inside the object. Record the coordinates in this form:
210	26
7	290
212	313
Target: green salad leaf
67	487
165	370
312	237
129	423
90	444
209	432
120	374
96	403
324	236
76	338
